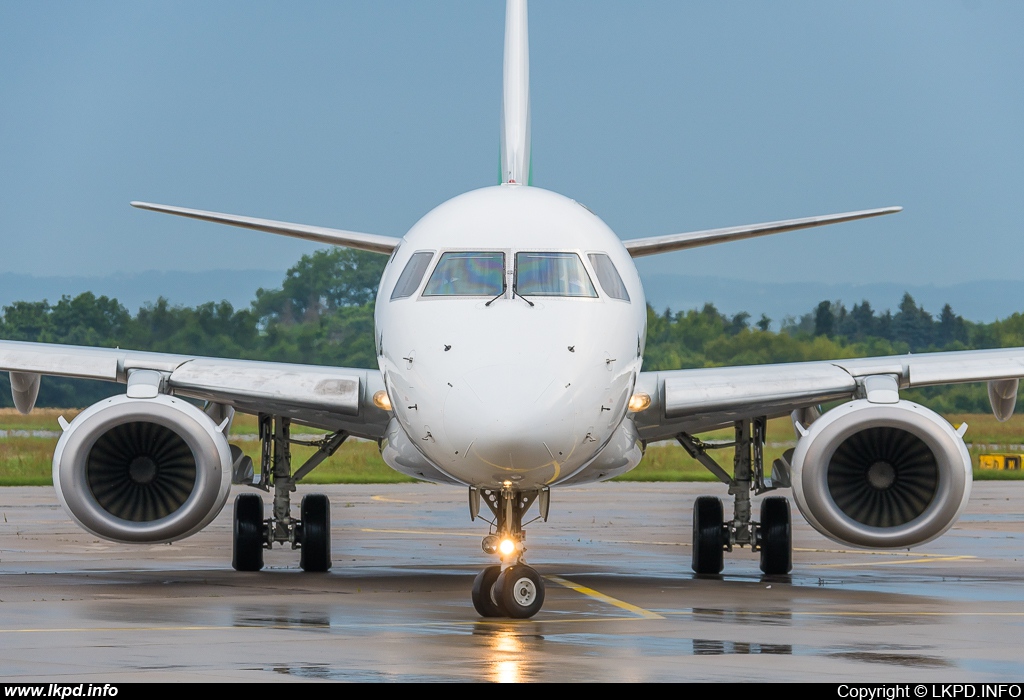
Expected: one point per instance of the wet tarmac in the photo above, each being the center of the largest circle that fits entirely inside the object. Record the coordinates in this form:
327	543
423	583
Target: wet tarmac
622	604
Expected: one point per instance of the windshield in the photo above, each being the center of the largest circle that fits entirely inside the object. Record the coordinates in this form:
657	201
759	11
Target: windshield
412	275
552	275
467	274
608	276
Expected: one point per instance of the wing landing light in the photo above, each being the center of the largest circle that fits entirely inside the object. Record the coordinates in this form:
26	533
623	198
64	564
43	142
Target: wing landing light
348	239
638	247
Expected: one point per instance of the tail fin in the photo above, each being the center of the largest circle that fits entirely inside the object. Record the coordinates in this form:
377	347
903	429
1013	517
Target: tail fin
515	99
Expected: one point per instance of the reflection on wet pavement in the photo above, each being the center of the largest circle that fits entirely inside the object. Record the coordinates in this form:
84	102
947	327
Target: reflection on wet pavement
325	672
711	647
396	606
512	655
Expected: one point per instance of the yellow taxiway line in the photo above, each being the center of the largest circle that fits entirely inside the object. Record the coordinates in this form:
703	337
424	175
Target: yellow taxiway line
919	560
597	595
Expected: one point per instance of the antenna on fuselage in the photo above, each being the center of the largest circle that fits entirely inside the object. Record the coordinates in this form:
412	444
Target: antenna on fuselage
515	98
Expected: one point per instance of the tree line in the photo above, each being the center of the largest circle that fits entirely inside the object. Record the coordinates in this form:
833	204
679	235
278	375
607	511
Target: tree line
323	314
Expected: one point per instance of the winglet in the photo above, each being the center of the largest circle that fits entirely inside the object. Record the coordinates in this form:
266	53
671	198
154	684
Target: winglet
515	98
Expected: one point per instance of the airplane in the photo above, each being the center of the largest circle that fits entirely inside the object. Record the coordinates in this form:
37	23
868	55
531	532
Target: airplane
509	325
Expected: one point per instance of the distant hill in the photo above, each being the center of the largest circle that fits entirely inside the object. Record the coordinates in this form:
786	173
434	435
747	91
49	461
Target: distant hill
980	301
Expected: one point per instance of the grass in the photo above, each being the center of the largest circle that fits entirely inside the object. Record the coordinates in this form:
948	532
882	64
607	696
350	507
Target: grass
27	461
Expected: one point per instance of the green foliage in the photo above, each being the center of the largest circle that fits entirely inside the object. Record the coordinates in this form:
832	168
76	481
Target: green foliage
323	314
320	284
911	329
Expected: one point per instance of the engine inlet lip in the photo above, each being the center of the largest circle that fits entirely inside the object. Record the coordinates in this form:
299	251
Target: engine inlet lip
836	426
212	458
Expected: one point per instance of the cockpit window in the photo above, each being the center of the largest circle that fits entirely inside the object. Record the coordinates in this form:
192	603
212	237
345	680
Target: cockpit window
412	275
608	276
468	274
552	275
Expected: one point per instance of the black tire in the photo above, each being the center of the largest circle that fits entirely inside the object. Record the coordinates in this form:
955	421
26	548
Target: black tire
708	536
315	550
483	593
247	537
519	591
776	537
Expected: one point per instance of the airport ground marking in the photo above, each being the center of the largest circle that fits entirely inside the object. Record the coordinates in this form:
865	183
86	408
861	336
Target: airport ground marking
877	552
846	613
425	533
920	560
597	595
651	542
385	499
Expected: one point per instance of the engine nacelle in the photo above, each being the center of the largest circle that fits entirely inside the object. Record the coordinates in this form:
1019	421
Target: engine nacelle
881	475
143	470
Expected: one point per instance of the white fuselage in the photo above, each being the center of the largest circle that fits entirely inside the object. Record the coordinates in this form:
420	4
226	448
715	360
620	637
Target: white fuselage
506	391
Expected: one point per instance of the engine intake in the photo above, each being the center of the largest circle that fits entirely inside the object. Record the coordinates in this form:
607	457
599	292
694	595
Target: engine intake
142	470
881	475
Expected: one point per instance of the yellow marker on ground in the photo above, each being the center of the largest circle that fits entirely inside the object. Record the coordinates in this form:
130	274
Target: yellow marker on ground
591	593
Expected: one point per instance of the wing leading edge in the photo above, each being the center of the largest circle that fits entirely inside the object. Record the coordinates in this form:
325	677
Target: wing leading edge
638	247
332	398
332	236
693	400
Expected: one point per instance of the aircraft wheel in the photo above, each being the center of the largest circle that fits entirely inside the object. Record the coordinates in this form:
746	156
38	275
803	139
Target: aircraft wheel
776	536
708	536
247	536
315	553
483	592
520	591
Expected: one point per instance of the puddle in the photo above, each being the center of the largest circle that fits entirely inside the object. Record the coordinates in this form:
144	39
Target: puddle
323	672
282	621
668	646
766	617
716	647
874	657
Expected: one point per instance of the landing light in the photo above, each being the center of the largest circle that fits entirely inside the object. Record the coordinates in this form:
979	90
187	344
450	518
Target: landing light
639	402
381	400
490	544
507	546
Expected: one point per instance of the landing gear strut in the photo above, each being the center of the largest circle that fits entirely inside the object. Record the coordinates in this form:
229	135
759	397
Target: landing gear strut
712	535
311	534
511	589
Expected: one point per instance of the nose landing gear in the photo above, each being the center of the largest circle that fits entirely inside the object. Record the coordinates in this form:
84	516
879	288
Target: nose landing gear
511	589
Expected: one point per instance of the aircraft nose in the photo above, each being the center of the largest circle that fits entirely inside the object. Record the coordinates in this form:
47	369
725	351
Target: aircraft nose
512	418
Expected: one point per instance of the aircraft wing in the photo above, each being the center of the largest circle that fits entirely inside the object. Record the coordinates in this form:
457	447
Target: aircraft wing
349	239
694	400
639	247
333	398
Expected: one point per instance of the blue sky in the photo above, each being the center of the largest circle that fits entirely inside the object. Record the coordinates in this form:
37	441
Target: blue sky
660	116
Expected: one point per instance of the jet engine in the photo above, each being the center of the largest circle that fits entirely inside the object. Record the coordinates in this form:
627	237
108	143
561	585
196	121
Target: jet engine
143	470
880	475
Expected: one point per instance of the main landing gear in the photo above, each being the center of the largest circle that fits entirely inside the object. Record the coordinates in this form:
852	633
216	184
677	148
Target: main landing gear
712	535
311	533
510	589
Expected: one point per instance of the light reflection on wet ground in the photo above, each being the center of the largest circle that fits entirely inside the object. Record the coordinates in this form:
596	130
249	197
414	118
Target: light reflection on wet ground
396	607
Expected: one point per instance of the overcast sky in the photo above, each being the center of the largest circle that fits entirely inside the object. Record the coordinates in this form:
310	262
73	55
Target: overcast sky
660	116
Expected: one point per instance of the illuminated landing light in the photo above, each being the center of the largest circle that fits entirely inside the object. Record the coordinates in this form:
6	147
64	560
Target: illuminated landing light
507	546
639	402
381	400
